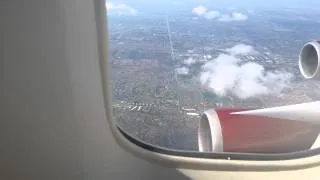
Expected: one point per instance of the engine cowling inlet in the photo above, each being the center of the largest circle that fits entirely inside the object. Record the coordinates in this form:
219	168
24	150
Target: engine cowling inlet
309	60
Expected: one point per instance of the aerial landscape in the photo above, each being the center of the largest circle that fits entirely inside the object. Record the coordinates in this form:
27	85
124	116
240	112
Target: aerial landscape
167	66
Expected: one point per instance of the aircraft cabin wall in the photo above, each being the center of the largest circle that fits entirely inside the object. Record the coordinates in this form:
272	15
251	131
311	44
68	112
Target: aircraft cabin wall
52	117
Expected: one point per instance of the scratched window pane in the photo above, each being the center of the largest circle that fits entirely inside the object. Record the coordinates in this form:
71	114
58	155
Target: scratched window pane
171	61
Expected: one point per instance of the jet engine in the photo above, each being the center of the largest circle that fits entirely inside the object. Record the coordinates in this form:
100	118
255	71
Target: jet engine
309	60
271	130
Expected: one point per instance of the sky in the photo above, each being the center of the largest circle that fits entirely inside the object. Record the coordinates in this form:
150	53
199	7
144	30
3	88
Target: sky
141	7
157	4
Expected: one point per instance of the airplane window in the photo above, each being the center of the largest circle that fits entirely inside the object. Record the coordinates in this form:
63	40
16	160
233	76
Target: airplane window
216	76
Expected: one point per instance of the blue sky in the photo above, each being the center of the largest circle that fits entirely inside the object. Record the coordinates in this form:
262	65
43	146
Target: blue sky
141	7
221	3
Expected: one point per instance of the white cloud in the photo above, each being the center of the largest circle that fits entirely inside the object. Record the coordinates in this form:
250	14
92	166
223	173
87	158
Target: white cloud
233	17
226	75
200	10
189	61
212	14
239	16
241	49
182	70
120	9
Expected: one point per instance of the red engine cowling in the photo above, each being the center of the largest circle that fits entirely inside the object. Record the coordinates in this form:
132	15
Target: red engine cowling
221	131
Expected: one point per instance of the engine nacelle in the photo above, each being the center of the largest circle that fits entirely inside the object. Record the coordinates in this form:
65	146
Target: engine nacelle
309	60
222	131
